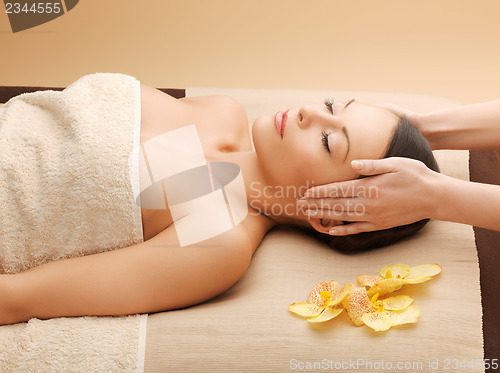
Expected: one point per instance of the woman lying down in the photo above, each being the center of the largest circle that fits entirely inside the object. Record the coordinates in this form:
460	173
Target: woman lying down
119	199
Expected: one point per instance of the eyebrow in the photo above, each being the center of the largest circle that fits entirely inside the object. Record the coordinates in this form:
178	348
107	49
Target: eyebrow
344	129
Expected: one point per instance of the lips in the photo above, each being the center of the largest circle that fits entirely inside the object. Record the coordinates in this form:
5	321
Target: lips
280	121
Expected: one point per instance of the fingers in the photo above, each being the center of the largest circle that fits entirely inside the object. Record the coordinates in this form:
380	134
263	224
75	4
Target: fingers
374	166
336	215
343	189
333	204
370	167
344	209
354	228
350	188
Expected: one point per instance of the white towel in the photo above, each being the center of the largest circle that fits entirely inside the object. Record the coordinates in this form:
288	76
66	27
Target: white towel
67	190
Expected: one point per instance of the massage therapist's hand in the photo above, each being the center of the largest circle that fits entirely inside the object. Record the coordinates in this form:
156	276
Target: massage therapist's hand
398	194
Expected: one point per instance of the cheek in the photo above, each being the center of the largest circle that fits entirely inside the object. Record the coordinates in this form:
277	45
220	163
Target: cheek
308	168
303	165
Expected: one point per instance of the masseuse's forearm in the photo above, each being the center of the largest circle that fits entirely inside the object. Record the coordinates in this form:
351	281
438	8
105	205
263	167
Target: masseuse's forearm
475	126
466	202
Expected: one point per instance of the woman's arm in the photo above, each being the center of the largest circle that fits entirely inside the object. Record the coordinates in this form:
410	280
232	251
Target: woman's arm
156	275
466	202
470	127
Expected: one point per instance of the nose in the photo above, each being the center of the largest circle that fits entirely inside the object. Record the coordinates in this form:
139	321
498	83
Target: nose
316	115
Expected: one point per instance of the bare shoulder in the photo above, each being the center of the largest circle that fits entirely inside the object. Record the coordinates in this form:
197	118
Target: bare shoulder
222	102
226	105
218	114
225	109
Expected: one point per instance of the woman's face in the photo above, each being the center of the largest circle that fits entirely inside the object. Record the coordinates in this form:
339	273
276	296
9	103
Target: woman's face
315	144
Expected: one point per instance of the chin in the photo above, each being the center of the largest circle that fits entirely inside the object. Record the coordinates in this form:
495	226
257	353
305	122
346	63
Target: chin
261	123
259	133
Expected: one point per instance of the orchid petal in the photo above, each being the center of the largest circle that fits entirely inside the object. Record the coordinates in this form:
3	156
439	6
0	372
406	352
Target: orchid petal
378	321
407	316
416	280
368	280
345	290
315	296
397	303
356	304
327	314
386	286
396	270
428	270
305	309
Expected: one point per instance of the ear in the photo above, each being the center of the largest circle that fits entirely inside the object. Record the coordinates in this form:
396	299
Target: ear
324	225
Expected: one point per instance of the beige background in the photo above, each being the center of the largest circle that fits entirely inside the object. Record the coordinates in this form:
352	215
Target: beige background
448	48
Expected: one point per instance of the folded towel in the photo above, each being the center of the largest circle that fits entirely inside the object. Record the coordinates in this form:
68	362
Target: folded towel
65	185
74	344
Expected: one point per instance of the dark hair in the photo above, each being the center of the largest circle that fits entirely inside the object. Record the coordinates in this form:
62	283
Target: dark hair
406	142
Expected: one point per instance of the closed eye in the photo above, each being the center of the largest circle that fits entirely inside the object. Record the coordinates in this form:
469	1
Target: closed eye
329	104
324	140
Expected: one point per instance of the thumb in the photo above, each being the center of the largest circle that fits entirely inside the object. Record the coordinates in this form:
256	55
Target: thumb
373	166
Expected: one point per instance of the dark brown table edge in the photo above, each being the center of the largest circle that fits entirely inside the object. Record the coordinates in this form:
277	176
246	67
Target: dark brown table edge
483	168
7	92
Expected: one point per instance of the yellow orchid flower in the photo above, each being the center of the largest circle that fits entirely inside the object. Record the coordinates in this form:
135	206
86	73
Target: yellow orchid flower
364	307
394	276
380	315
323	303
